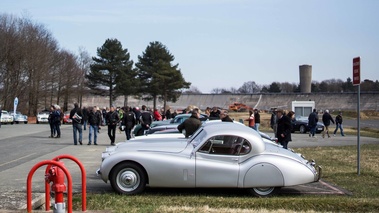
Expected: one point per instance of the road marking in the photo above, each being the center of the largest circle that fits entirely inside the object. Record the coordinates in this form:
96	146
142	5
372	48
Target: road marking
17	159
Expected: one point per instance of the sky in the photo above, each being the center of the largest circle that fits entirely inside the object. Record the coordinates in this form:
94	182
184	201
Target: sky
223	43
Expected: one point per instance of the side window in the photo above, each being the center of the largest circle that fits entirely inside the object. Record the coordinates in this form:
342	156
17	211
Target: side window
226	145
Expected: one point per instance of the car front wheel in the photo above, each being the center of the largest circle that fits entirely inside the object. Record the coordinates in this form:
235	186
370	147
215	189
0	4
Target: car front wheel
128	178
302	129
264	191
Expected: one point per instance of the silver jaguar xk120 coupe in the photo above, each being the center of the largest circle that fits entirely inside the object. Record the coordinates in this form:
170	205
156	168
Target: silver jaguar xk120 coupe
218	155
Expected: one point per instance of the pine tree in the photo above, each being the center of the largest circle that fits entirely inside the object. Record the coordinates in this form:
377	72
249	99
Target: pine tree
112	72
158	77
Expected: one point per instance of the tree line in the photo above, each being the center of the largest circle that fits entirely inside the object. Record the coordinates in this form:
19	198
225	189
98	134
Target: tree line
38	72
326	86
35	70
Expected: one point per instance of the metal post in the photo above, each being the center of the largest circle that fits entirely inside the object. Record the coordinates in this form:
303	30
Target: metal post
359	131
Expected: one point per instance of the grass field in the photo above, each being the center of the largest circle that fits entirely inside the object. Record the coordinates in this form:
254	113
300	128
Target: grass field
339	168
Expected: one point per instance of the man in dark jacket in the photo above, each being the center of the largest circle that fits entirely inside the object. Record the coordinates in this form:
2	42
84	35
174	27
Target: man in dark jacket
76	116
94	120
112	121
339	124
225	117
284	128
312	123
326	119
257	118
146	118
129	121
191	124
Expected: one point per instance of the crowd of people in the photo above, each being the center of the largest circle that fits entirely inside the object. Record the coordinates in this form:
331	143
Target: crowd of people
126	118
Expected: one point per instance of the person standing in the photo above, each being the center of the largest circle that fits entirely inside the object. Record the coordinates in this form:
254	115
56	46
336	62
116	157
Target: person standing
257	118
146	119
284	128
274	121
251	119
129	121
339	124
94	120
57	120
112	120
85	118
50	119
326	119
214	114
168	114
157	115
312	123
225	117
76	116
191	124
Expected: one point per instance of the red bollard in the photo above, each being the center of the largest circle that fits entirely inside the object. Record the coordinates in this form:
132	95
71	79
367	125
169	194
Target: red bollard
29	183
84	183
54	173
56	176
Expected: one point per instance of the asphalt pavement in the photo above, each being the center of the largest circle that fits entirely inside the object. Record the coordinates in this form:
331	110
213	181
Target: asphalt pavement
24	145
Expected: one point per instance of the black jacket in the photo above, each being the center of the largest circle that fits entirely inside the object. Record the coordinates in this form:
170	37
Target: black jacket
190	125
78	111
326	118
284	127
129	119
312	119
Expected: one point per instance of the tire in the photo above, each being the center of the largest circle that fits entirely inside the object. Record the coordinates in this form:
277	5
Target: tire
25	122
37	122
128	178
16	122
264	191
302	129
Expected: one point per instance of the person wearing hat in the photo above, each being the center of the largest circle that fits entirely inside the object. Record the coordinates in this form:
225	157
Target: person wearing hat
339	124
326	119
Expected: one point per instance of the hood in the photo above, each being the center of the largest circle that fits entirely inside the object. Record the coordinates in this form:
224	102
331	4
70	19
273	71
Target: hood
154	144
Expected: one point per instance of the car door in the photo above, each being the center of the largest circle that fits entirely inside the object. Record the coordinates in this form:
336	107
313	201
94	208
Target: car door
217	162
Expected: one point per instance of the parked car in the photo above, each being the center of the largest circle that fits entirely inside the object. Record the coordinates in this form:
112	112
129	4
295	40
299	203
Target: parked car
19	118
224	154
6	118
166	124
66	118
300	124
43	116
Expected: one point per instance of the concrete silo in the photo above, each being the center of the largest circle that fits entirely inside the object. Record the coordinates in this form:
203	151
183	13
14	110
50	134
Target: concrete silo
305	72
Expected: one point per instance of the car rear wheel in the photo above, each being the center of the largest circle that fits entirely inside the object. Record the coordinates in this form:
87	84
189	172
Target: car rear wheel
128	178
302	129
264	191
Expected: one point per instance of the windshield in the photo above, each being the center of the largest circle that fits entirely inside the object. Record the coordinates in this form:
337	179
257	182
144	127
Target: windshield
197	137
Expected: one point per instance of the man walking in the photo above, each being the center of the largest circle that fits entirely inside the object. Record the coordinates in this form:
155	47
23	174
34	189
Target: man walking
339	124
94	120
326	119
312	123
146	119
129	121
283	129
76	116
112	120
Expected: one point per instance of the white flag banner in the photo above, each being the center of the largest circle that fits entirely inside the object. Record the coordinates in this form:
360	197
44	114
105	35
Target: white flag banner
15	105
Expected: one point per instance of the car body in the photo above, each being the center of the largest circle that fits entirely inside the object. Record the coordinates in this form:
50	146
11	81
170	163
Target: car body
300	124
43	116
19	118
66	118
6	117
218	155
166	124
